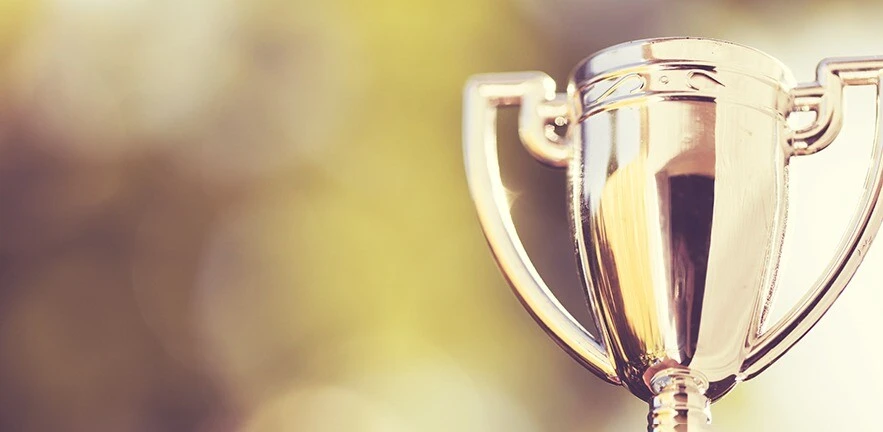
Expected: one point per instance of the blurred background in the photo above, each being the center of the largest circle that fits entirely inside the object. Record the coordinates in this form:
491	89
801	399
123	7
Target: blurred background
251	215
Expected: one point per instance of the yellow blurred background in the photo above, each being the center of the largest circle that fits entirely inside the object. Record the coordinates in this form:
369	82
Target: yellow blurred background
251	215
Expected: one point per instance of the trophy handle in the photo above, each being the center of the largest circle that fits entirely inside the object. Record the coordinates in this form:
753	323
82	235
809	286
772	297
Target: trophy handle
824	97
540	109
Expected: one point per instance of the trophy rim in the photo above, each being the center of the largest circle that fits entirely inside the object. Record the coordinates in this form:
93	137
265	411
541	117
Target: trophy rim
702	51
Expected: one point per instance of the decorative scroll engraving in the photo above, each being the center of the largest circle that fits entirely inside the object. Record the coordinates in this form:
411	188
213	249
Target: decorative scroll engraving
702	80
625	85
662	81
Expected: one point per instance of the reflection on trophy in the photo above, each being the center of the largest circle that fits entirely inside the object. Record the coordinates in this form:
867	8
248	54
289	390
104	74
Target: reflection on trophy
677	156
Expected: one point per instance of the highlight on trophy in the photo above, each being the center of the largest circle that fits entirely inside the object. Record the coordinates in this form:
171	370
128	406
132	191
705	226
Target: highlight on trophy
676	154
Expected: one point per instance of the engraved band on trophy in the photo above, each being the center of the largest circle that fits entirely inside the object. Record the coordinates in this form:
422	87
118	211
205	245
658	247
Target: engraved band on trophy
676	154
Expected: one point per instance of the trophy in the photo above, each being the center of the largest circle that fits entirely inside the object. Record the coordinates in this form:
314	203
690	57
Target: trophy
677	153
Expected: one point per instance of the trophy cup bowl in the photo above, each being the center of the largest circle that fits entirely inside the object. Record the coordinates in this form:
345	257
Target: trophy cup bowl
677	154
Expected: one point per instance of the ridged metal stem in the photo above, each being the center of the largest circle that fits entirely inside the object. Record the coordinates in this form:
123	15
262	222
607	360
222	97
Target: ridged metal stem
679	404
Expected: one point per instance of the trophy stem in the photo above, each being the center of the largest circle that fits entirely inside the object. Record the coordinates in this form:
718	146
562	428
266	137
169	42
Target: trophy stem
679	404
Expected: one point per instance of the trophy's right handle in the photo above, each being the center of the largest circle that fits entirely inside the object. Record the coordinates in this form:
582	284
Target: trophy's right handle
824	98
540	106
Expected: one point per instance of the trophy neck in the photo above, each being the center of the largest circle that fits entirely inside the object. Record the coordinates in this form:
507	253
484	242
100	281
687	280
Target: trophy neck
679	403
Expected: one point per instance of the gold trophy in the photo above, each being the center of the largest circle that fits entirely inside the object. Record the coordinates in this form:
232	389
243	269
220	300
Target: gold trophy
677	154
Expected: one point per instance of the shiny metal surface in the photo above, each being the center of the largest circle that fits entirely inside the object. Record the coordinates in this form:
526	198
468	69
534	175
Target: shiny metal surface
678	186
677	155
679	402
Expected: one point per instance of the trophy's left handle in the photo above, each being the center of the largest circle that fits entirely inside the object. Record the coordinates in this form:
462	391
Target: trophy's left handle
541	109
